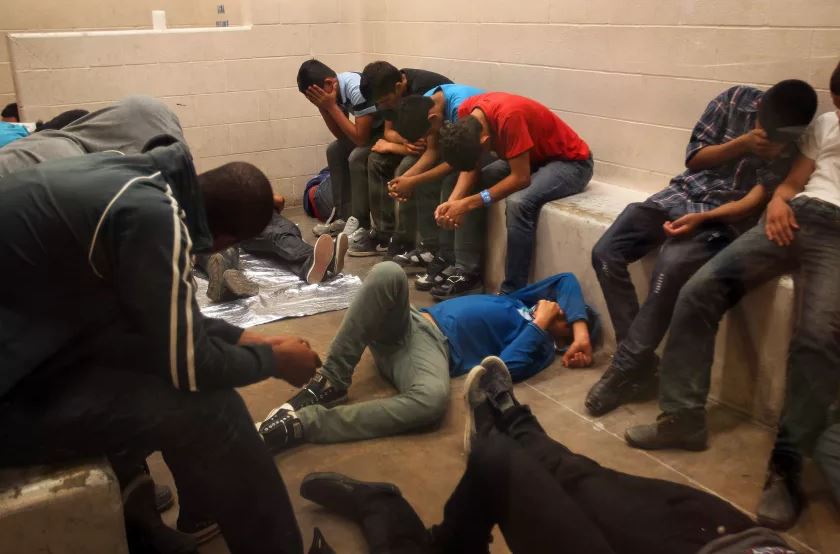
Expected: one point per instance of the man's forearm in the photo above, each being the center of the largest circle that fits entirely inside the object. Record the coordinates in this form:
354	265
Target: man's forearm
734	211
435	174
504	188
466	181
346	127
331	124
718	154
787	190
580	331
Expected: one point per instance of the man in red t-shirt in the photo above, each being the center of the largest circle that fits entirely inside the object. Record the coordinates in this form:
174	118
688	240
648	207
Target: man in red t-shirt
541	159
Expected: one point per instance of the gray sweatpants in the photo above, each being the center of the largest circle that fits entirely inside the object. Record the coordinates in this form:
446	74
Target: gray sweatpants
409	351
126	127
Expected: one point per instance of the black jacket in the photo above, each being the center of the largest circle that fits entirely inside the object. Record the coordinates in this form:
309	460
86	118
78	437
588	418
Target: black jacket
95	268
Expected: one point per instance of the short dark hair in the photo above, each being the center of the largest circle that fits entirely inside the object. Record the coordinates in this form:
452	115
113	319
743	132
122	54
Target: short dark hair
11	110
460	143
788	103
412	116
834	83
237	199
60	121
378	79
313	72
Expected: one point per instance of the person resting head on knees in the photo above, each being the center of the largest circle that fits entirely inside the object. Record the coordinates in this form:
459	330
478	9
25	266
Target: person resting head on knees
60	121
384	84
314	73
416	118
10	113
463	142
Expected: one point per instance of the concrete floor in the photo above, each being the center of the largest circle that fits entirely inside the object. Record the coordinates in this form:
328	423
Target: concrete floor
426	466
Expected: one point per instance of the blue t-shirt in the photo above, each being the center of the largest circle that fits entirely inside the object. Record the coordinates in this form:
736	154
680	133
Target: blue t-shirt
453	95
485	325
10	132
350	96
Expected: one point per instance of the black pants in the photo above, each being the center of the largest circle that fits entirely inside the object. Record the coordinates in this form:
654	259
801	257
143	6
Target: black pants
207	439
547	499
282	240
338	153
637	232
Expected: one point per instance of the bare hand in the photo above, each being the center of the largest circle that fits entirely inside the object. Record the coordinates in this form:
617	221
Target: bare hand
757	143
684	226
383	146
546	313
450	214
579	354
295	361
279	203
321	98
417	147
781	224
401	188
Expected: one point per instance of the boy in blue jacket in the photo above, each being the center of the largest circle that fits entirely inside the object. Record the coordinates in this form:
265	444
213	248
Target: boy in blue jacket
418	351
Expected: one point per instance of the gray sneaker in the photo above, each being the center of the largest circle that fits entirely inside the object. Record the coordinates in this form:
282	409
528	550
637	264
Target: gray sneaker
351	226
365	243
781	500
684	431
330	228
488	386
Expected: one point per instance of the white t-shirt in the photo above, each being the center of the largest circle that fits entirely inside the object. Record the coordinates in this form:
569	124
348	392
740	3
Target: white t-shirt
822	144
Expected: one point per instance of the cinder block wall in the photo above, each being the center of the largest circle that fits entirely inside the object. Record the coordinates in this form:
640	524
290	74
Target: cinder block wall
233	89
632	76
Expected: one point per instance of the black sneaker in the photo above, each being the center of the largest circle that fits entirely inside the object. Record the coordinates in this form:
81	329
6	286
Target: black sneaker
781	499
617	387
684	431
459	283
366	243
281	429
318	390
437	272
396	248
202	530
488	387
164	499
418	257
340	493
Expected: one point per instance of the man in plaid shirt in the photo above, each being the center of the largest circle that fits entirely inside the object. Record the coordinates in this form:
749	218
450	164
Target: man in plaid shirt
739	151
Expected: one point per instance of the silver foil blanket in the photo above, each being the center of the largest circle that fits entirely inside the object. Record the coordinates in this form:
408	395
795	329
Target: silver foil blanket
282	294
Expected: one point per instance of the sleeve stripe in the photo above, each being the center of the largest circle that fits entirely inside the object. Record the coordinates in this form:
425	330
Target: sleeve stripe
173	301
188	312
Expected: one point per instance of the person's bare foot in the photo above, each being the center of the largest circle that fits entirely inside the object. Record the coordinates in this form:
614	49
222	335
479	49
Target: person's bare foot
279	203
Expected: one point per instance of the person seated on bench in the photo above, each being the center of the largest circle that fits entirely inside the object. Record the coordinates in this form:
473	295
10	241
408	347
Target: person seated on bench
544	498
738	153
105	351
418	350
800	234
125	127
542	159
280	240
427	183
338	96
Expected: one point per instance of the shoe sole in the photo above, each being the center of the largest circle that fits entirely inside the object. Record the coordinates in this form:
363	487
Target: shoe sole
328	476
684	445
322	256
239	285
473	377
205	535
337	402
342	244
363	253
215	283
424	287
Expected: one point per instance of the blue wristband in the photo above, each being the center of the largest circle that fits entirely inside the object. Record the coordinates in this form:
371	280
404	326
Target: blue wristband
486	198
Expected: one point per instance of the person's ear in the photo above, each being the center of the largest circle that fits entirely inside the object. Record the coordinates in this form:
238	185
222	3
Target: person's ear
484	140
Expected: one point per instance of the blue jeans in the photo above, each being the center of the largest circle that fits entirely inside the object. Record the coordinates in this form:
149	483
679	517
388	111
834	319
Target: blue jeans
555	179
814	356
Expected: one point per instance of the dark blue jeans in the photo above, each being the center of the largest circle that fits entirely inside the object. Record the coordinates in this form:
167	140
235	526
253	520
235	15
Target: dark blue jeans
814	355
553	180
635	233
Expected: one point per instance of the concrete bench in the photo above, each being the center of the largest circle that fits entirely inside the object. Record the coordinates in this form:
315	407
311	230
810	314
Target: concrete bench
751	351
69	509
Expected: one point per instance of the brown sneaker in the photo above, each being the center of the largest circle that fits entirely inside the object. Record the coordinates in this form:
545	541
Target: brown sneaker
683	430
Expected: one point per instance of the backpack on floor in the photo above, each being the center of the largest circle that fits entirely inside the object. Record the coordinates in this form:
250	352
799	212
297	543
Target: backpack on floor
317	196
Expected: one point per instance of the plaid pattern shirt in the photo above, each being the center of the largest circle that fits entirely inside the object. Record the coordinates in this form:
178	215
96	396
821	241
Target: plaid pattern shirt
730	115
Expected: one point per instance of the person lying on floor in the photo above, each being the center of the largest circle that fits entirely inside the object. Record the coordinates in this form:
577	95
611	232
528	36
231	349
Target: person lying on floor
545	498
125	127
418	350
280	240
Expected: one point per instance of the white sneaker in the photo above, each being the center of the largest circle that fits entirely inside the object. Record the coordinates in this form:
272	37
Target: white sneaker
351	226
